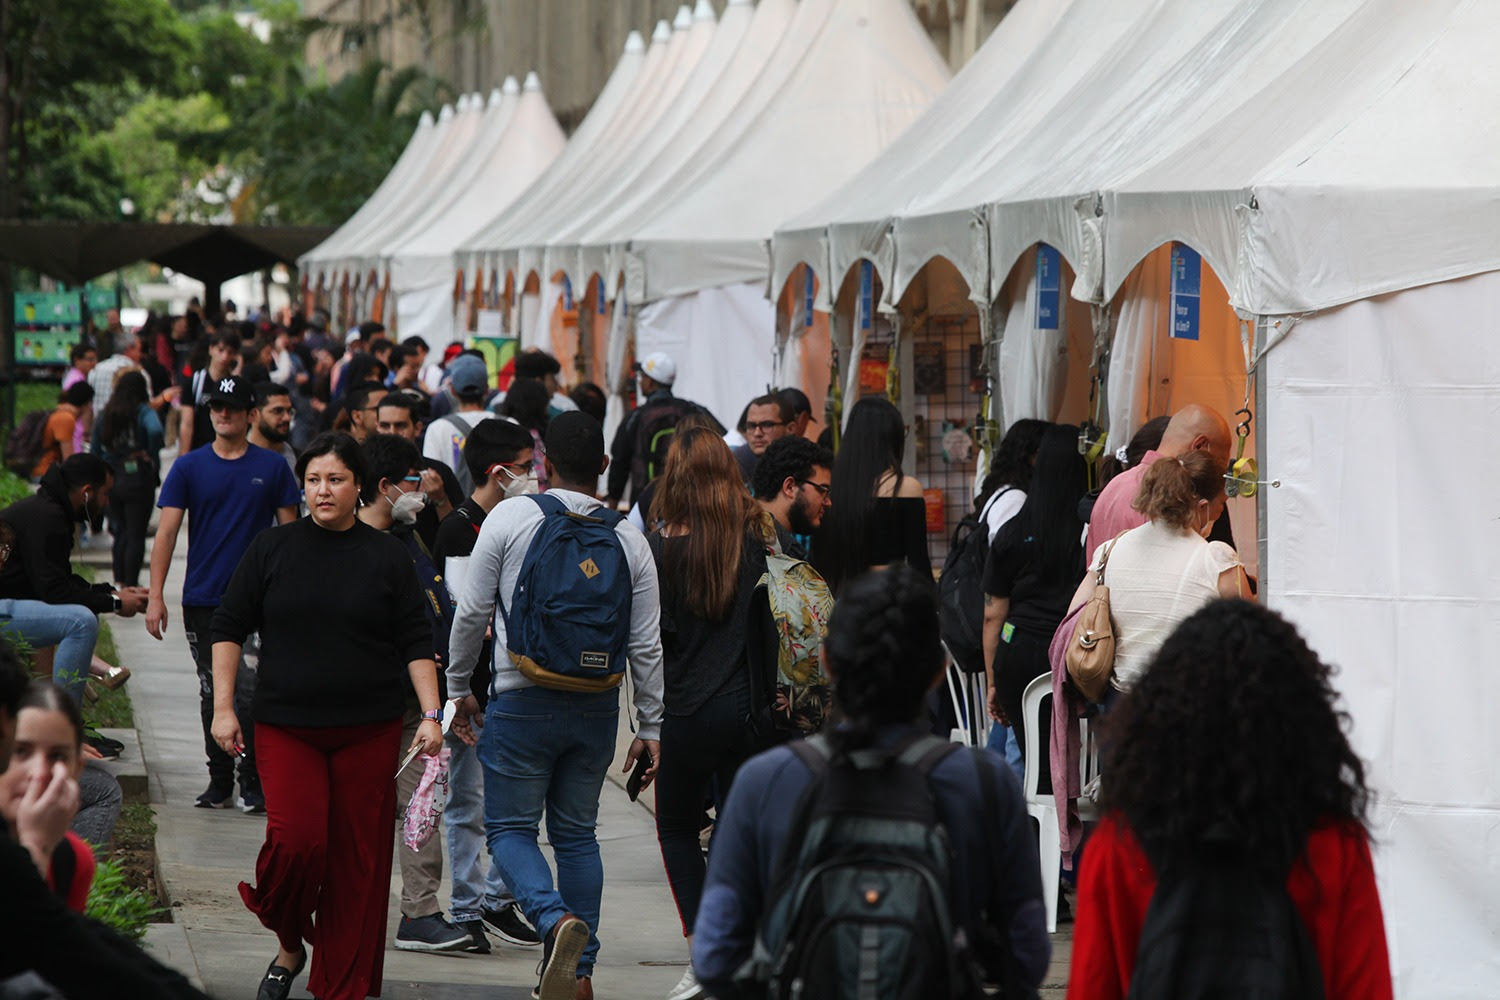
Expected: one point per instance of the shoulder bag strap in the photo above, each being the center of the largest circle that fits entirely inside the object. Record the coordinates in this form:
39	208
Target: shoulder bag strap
1104	559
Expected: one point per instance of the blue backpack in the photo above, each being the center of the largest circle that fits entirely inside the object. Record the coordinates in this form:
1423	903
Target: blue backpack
569	617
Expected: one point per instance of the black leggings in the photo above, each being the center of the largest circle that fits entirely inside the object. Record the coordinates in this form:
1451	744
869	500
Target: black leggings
1017	664
697	751
128	520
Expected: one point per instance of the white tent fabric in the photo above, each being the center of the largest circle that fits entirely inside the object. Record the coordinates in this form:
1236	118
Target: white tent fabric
587	143
720	372
593	242
422	268
849	76
409	164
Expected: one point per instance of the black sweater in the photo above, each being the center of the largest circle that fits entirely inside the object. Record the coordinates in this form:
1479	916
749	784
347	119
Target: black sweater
39	570
340	616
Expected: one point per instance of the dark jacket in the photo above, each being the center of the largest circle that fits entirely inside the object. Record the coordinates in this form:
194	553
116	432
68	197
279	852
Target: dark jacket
39	569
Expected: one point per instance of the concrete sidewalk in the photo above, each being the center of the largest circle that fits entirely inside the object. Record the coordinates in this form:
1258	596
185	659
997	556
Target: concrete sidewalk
204	854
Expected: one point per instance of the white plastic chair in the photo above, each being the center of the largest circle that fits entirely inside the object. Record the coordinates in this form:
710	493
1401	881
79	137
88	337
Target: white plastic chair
967	692
1043	807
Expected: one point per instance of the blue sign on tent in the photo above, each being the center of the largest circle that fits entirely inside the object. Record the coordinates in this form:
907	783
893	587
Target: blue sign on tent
567	294
1187	284
807	298
866	294
1048	286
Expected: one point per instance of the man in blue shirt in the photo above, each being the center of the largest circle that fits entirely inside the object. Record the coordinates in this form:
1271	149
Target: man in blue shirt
234	490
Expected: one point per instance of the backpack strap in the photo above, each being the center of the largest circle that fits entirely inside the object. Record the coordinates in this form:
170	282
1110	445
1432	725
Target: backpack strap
549	504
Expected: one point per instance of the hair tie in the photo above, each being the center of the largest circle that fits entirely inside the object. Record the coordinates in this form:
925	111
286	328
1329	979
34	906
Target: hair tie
1122	455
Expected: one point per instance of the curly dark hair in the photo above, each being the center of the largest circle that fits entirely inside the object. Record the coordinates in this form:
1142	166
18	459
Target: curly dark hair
1233	725
1013	458
885	648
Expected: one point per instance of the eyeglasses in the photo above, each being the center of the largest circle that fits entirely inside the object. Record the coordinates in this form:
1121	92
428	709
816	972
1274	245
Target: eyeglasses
509	468
764	425
823	488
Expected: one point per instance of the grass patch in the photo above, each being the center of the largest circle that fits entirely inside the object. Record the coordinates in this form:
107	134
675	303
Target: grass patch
113	710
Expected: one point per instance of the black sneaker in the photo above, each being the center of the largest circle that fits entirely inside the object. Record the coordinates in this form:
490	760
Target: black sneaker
431	933
558	971
252	803
478	943
108	749
507	924
216	797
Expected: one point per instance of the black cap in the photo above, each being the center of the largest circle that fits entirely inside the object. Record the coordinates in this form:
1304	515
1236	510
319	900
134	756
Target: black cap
232	391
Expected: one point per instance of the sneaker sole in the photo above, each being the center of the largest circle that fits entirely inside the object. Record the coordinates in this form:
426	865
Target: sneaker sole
509	939
560	978
440	948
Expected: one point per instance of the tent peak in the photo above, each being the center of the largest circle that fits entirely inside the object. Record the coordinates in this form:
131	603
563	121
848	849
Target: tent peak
533	82
426	118
446	113
684	19
510	86
634	42
704	11
496	96
662	33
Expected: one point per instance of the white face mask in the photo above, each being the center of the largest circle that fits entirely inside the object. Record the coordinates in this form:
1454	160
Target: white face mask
406	506
520	486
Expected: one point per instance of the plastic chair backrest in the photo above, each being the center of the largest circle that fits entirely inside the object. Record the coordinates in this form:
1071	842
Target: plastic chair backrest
1039	691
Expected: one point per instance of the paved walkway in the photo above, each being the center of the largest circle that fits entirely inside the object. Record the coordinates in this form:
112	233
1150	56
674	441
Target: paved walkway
204	854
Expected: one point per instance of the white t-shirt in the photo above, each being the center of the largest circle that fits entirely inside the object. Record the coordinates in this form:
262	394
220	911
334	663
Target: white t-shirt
1004	505
444	443
1157	576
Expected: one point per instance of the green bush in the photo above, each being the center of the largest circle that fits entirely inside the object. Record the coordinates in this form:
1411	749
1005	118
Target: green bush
12	487
115	904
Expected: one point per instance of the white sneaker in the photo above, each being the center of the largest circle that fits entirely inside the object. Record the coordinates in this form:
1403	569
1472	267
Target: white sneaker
687	988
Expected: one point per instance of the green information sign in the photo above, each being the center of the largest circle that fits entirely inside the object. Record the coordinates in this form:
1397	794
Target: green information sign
47	347
47	309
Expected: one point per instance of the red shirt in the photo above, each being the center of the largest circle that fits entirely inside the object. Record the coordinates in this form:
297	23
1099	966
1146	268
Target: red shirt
1332	886
75	893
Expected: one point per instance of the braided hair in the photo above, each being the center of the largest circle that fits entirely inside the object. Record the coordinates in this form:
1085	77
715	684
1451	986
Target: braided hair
884	649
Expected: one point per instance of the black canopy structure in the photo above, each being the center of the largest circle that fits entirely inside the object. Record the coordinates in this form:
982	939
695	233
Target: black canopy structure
74	252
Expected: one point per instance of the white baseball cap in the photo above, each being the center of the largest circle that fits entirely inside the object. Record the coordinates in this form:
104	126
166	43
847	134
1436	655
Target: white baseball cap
659	368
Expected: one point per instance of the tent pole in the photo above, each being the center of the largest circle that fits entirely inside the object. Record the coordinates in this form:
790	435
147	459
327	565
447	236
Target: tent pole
1262	505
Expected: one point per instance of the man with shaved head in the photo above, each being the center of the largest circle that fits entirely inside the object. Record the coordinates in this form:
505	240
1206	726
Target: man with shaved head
1192	428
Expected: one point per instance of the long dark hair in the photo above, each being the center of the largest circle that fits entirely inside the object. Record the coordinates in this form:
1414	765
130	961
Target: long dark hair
1048	522
1013	457
1232	726
884	649
123	410
526	403
874	444
702	490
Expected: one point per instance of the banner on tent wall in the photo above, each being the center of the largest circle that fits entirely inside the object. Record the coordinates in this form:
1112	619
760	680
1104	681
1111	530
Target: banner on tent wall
866	294
1187	288
807	297
1048	287
499	358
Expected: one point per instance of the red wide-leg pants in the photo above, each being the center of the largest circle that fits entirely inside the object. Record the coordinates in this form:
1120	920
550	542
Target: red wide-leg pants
330	807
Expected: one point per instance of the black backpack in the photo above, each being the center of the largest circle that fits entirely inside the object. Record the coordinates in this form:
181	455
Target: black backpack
655	426
23	448
961	590
1219	929
861	900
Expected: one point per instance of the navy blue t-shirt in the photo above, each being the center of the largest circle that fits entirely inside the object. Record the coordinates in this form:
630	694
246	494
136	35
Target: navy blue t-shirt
228	504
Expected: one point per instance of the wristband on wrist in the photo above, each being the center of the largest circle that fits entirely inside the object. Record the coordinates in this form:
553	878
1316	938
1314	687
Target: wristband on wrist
435	715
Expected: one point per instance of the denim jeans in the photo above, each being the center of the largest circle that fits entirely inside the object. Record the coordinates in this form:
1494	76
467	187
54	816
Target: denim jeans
549	749
1002	740
477	882
72	628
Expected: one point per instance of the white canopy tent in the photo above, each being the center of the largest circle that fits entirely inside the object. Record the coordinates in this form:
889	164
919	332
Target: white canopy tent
523	139
1327	161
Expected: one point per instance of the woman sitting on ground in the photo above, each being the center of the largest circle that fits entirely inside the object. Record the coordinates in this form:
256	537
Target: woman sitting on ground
1233	730
49	748
1161	572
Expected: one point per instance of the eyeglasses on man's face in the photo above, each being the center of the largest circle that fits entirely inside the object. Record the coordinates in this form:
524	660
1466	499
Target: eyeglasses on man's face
763	426
823	488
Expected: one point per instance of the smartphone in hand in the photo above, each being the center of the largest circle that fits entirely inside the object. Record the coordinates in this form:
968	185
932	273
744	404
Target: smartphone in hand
637	779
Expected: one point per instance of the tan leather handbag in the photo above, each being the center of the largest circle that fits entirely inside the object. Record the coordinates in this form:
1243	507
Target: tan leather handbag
1091	654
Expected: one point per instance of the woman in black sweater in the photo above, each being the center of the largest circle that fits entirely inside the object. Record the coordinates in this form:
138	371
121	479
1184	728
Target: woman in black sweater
710	550
342	625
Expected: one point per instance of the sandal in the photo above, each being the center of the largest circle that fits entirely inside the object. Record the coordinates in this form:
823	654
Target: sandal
114	677
277	982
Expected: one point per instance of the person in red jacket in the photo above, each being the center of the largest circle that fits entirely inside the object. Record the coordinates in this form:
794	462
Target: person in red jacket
1232	727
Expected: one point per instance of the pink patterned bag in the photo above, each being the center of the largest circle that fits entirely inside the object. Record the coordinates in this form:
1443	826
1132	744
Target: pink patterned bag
425	810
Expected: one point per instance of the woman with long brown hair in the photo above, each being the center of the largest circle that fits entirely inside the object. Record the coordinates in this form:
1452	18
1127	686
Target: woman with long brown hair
710	553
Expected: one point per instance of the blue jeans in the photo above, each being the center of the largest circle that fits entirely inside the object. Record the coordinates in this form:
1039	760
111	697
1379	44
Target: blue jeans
1002	740
72	628
549	749
474	889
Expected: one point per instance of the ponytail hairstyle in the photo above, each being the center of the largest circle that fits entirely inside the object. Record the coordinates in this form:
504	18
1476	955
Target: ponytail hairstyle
884	650
1172	487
